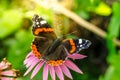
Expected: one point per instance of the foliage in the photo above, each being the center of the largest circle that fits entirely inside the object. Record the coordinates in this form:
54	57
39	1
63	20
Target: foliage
9	26
113	71
16	35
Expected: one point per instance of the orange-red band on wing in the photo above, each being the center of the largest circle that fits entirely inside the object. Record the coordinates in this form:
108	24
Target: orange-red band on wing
37	31
35	51
73	47
55	62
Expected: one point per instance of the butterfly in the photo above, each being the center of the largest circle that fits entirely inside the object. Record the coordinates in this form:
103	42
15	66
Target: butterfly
47	46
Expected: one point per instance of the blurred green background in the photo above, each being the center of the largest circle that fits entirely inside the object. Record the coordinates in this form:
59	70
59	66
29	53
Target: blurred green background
103	58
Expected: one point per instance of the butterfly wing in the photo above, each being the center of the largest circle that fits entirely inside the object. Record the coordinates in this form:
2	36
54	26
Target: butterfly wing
40	45
41	28
75	45
44	36
70	45
47	46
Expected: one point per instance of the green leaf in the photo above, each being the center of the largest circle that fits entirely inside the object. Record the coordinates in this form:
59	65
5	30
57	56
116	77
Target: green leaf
111	48
108	74
113	72
83	7
84	14
9	22
19	47
103	9
116	7
114	26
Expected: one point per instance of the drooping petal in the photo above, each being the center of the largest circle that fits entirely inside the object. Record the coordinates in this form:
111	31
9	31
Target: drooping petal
6	78
4	67
37	68
52	72
59	72
66	71
76	56
72	66
31	67
45	72
8	73
4	64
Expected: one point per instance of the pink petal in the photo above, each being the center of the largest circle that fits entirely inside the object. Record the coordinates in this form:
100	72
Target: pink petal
59	72
31	67
3	65
31	61
52	72
29	54
27	60
37	68
6	78
66	71
72	66
76	56
45	72
8	73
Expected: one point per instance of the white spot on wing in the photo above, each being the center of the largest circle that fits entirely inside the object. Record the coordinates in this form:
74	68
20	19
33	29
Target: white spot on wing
37	23
39	17
43	22
80	41
81	45
86	41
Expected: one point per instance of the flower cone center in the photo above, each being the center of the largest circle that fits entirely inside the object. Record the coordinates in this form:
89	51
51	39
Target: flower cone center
55	62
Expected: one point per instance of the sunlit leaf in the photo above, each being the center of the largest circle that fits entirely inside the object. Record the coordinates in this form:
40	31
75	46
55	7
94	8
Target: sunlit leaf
114	26
9	22
103	9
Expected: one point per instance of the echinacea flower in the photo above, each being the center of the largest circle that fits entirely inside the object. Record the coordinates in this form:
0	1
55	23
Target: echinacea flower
6	71
58	67
53	53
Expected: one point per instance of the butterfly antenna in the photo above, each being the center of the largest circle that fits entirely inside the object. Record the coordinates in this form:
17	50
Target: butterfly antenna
68	34
72	32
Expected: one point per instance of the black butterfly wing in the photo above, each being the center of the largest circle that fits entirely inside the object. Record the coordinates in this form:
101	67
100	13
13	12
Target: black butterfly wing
71	45
41	28
75	45
45	36
40	45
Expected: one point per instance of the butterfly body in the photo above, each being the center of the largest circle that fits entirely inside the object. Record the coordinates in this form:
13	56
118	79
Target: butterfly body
47	46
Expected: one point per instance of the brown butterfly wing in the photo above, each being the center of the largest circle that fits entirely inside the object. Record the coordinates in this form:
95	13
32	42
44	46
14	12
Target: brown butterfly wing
41	28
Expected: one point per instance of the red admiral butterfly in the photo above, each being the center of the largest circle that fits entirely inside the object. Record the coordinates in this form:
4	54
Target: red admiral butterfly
47	46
